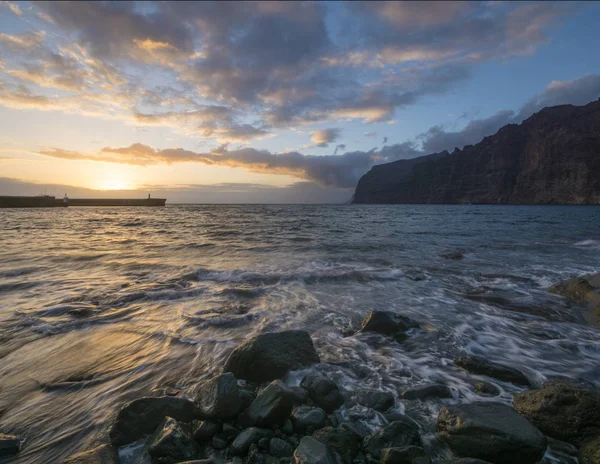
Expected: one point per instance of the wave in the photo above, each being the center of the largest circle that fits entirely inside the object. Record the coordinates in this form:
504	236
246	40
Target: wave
592	243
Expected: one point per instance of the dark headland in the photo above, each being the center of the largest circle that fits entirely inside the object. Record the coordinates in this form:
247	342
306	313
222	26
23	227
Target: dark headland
553	157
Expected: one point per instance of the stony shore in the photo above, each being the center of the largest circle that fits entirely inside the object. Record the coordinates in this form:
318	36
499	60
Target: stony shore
249	415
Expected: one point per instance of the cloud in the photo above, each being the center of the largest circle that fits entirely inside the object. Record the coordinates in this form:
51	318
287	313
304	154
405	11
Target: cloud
385	140
324	137
371	134
14	8
339	148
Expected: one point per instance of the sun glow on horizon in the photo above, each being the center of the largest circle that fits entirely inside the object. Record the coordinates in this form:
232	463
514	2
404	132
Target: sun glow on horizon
117	185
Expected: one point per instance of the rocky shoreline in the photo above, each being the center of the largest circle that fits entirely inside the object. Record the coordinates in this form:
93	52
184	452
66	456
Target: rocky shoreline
249	415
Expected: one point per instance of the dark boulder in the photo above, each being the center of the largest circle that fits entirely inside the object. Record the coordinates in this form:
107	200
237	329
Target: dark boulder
103	454
271	407
426	392
229	431
405	455
341	440
589	453
323	392
9	444
205	430
300	395
173	443
311	451
397	434
270	356
219	397
481	366
375	399
247	437
280	448
308	416
246	398
218	443
565	410
388	323
141	417
491	431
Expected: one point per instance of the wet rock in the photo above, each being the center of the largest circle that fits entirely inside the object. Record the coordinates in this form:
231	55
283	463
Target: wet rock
288	427
565	410
578	289
589	453
141	417
405	455
246	399
464	461
270	356
491	431
486	389
323	392
263	444
356	428
247	437
453	255
271	407
219	443
341	440
304	417
428	391
9	444
375	399
199	461
280	448
481	366
172	443
229	431
205	430
311	451
300	395
219	398
396	434
388	323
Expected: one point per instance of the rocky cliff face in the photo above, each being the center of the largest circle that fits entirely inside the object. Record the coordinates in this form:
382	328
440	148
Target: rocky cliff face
553	157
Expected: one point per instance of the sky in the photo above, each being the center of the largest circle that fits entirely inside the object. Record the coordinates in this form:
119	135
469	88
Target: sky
270	102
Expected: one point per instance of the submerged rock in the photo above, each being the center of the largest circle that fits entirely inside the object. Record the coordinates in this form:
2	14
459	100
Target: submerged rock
9	444
341	440
311	451
323	392
173	443
405	455
271	407
562	409
103	454
219	397
388	323
481	366
578	289
248	437
589	453
270	356
375	399
308	416
491	431
428	391
397	434
486	389
141	417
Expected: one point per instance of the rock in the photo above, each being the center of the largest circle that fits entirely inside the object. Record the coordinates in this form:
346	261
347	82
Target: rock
172	443
205	430
263	443
480	366
323	392
300	395
375	399
464	461
405	455
142	416
453	255
396	434
578	289
271	407
491	431
341	440
229	431
103	454
280	448
288	427
311	451
219	443
270	356
9	444
589	453
388	323
199	461
218	398
356	428
307	416
246	399
561	409
486	389
247	437
428	391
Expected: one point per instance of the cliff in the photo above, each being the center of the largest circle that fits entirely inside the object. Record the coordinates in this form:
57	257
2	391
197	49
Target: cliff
553	157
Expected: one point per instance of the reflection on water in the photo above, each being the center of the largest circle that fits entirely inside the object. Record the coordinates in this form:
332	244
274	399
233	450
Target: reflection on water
99	306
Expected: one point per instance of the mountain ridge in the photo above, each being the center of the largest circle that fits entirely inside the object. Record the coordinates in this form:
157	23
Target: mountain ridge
552	157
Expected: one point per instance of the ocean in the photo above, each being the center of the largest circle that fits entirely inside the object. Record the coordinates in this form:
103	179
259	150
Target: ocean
99	306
